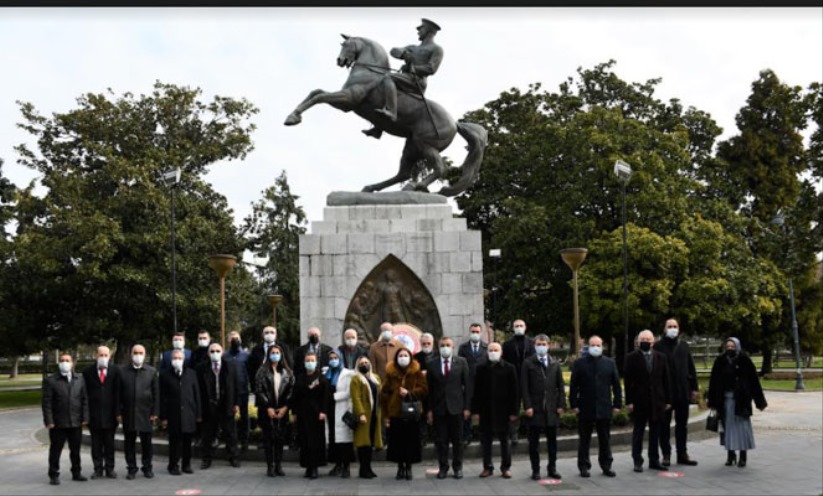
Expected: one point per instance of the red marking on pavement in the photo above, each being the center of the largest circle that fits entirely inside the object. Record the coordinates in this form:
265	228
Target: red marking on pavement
550	482
187	492
670	475
432	471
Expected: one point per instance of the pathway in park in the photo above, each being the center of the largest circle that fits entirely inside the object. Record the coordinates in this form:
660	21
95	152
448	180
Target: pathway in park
789	454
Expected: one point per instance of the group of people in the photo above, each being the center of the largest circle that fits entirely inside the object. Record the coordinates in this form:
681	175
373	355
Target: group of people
346	402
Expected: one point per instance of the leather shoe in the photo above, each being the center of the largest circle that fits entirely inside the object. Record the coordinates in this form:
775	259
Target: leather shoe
205	464
552	471
685	460
610	473
175	471
656	466
638	468
234	463
187	470
148	474
313	474
442	474
401	473
98	474
584	473
485	473
79	478
409	472
54	481
666	461
458	474
130	475
111	474
278	469
507	474
535	475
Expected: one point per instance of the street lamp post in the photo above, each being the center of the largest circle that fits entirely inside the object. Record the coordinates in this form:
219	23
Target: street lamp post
574	258
779	220
274	300
222	264
624	173
172	178
495	254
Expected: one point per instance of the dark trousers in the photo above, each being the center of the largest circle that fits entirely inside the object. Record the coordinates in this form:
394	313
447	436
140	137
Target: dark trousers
180	443
486	437
58	437
130	445
467	430
640	422
534	445
243	427
272	444
448	428
680	411
364	455
102	449
218	420
584	431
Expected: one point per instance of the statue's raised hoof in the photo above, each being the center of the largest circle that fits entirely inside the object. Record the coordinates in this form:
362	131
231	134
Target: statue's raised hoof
292	119
368	189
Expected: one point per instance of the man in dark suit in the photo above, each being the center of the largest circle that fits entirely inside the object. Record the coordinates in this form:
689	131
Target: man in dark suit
515	351
494	404
180	410
426	354
218	391
351	351
65	411
178	342
475	351
200	354
103	393
544	400
595	395
646	379
449	403
139	407
321	350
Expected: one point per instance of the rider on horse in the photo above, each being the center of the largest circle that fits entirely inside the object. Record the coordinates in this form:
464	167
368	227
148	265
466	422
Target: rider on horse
422	61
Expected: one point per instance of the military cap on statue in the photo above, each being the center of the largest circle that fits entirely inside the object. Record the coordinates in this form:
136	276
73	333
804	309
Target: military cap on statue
431	24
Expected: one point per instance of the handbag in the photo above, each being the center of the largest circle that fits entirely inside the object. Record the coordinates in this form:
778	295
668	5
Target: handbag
712	422
350	420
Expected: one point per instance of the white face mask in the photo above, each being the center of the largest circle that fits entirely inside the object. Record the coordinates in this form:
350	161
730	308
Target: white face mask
595	351
541	350
177	363
177	344
268	337
494	356
203	342
475	337
427	349
310	366
387	334
351	342
102	362
65	367
672	332
519	331
445	351
138	359
404	361
215	356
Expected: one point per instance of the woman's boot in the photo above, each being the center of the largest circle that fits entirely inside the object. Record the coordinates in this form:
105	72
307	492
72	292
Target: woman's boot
336	470
270	470
408	471
742	462
401	471
345	473
731	459
363	460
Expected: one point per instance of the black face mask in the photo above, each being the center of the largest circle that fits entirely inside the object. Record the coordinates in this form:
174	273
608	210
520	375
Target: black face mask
313	339
364	369
731	353
235	344
645	346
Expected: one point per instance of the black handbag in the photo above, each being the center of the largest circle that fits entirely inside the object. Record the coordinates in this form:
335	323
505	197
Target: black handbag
712	422
350	420
410	409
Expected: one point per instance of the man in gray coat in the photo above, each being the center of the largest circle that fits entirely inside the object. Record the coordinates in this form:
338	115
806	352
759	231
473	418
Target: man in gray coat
139	407
65	411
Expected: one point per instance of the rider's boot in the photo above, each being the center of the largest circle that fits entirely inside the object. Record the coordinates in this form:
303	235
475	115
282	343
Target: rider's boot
390	108
374	132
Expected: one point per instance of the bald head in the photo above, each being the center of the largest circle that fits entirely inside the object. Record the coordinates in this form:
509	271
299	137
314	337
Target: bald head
103	352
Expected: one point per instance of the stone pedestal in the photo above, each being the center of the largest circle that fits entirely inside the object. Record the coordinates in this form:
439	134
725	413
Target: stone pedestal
351	241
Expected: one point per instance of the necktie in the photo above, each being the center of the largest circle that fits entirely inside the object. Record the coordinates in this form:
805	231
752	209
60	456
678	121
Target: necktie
544	362
446	368
217	379
102	375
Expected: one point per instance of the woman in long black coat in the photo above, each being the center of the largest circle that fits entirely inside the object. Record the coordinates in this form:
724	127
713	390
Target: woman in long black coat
733	386
310	405
273	403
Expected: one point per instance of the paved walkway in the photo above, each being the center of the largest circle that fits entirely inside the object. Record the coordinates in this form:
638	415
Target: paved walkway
789	454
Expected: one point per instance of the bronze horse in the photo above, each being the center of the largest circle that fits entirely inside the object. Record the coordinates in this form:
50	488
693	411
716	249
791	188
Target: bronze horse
427	134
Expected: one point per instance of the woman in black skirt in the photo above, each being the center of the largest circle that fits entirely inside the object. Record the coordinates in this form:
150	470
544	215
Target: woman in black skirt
310	405
404	382
273	386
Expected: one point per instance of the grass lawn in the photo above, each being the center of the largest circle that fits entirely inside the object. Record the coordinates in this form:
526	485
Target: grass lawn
17	399
21	380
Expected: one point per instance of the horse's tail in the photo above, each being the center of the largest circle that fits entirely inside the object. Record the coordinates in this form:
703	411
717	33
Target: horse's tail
477	138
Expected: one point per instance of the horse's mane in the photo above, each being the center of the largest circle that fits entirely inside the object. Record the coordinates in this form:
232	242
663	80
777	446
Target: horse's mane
377	47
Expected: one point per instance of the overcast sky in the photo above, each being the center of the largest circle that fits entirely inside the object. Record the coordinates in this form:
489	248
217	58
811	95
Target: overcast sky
707	57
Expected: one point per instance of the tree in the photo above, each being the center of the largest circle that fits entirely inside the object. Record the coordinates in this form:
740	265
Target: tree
273	232
101	232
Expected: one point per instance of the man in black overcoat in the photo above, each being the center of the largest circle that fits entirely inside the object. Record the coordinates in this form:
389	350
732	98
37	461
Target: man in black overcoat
646	379
515	351
103	392
595	395
139	407
180	410
494	402
65	410
475	351
218	392
321	350
544	400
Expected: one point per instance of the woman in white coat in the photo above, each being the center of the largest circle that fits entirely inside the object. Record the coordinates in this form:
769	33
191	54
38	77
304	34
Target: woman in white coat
339	436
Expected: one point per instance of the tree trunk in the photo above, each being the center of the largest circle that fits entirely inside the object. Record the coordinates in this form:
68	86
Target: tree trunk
766	368
15	368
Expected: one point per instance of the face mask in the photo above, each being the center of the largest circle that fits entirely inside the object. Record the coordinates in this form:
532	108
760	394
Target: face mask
427	349
177	344
519	331
102	362
274	357
475	337
445	351
203	342
404	361
364	369
541	349
310	366
595	351
387	335
65	367
351	343
494	356
334	363
235	344
215	356
268	337
672	332
177	363
645	346
731	353
313	339
138	359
